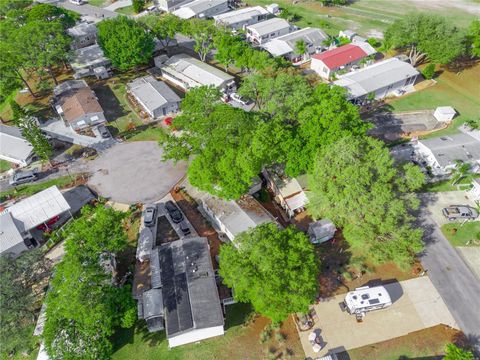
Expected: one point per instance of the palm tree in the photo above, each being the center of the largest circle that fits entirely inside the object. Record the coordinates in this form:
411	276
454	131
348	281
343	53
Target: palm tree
301	48
461	170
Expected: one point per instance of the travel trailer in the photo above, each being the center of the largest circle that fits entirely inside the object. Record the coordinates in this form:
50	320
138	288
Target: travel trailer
365	298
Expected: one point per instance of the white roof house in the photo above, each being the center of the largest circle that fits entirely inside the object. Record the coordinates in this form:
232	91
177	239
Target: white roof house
442	153
380	79
83	34
267	30
234	217
201	9
14	147
86	59
156	98
188	72
38	208
237	19
286	45
11	241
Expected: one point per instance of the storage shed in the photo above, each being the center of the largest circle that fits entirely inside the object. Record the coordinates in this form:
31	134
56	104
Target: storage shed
444	113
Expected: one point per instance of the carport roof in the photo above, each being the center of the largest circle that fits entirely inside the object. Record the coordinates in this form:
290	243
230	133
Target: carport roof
9	234
38	208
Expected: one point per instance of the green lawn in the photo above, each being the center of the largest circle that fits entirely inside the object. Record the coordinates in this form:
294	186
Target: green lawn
139	344
149	133
28	190
457	90
127	10
4	165
446	185
468	233
99	3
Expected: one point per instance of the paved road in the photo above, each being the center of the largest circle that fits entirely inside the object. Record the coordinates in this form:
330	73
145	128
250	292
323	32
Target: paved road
453	279
94	12
118	5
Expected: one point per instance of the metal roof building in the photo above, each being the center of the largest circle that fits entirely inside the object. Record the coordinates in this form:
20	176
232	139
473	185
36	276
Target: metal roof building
239	18
381	79
286	44
86	59
37	209
14	147
269	26
188	72
201	9
156	98
11	241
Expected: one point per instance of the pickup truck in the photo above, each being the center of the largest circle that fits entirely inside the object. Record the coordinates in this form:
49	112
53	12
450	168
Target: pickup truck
460	212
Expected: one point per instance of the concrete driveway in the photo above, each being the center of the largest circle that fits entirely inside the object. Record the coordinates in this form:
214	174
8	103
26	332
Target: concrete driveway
436	201
134	172
416	306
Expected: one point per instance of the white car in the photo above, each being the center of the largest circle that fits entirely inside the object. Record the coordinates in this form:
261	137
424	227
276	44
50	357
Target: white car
77	2
238	98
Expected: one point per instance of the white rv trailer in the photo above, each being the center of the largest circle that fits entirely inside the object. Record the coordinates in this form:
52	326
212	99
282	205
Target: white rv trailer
365	298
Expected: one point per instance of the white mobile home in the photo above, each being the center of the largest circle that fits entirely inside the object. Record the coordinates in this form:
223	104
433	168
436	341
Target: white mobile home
83	34
170	5
187	72
238	19
14	147
267	30
378	80
202	9
364	299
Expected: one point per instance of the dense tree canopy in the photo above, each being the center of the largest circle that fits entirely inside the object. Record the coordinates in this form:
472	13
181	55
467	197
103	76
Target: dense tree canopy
354	183
83	305
474	37
125	42
8	5
427	35
20	293
276	270
164	27
454	352
50	13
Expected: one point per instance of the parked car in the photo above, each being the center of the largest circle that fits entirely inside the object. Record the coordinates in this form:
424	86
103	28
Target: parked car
23	177
460	212
174	212
48	223
185	228
102	129
238	99
77	2
150	215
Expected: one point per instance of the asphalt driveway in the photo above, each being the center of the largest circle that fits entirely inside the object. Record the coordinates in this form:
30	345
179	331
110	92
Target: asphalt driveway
134	172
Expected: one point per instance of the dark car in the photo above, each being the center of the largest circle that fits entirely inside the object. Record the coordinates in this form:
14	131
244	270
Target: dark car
150	215
102	129
23	177
174	212
185	228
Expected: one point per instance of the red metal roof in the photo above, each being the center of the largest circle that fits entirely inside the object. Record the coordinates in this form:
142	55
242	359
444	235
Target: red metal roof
340	56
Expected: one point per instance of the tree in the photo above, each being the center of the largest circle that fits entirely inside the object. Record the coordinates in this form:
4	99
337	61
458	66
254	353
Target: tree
474	123
355	184
301	47
429	71
461	171
163	27
327	117
428	37
138	6
217	138
43	45
276	270
20	279
125	42
473	37
202	32
229	48
31	132
8	5
83	306
453	352
50	13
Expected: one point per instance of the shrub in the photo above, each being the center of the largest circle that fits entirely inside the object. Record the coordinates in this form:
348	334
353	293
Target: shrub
429	71
138	5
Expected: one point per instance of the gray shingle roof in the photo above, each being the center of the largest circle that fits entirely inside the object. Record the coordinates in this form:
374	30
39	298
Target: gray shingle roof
448	149
287	43
190	294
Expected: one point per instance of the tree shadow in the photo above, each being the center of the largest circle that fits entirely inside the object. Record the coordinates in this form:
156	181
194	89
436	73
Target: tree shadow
237	314
462	63
112	108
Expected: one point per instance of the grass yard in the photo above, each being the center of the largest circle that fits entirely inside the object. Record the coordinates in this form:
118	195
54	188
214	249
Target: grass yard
149	133
239	342
457	90
127	10
368	17
446	185
426	344
28	190
4	166
466	235
99	3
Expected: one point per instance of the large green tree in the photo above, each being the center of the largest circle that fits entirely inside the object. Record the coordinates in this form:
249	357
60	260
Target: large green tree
327	117
428	37
355	183
454	352
164	27
8	5
83	305
20	293
202	32
276	270
473	37
50	13
125	42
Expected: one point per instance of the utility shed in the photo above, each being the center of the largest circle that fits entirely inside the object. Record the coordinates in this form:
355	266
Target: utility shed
190	295
321	231
444	113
